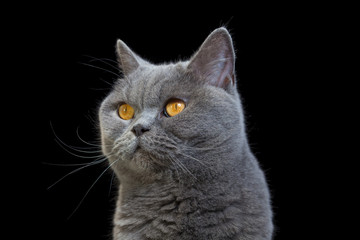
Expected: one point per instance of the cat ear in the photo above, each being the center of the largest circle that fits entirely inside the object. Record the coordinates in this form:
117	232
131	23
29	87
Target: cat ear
214	62
128	60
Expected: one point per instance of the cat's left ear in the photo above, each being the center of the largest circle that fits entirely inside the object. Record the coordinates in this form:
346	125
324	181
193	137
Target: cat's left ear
214	62
128	60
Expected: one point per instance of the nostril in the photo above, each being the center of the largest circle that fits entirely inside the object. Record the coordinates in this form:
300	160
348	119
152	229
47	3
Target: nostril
139	129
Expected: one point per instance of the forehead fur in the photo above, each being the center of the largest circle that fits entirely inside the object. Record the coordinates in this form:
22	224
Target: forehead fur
149	84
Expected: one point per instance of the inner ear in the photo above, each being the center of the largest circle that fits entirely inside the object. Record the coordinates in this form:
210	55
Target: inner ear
214	62
226	76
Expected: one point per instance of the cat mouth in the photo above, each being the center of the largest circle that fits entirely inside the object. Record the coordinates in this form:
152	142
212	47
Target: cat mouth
149	154
147	161
145	152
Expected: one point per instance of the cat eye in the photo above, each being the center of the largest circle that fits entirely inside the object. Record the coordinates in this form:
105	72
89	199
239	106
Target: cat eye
126	112
174	107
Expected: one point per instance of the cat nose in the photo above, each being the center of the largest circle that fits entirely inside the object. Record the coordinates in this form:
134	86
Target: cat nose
139	129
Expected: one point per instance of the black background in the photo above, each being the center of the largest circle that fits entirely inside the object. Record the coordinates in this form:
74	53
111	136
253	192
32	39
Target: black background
276	52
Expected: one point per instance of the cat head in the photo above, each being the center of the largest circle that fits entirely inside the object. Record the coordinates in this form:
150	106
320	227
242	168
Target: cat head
169	120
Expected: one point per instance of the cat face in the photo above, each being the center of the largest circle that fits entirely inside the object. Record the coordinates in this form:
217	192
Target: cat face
162	120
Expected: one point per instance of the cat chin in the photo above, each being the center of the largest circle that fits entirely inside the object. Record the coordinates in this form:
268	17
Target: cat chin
140	164
144	160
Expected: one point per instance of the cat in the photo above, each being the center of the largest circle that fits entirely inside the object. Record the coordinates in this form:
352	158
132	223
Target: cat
174	135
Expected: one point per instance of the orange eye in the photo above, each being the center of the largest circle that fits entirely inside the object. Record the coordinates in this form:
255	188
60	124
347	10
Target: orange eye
126	112
174	107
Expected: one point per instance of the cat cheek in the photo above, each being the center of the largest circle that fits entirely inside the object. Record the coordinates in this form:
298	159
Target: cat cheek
106	145
181	127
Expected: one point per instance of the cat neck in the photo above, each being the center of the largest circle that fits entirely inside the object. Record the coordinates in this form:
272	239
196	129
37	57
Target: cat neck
165	207
169	183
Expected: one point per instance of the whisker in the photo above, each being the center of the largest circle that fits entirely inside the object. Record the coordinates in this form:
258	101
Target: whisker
86	142
76	170
67	164
87	192
103	60
80	149
85	153
111	60
104	69
197	160
59	141
202	148
111	84
62	145
170	145
217	145
183	167
176	170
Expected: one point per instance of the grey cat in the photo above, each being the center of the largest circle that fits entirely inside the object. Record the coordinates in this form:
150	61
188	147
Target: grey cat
174	134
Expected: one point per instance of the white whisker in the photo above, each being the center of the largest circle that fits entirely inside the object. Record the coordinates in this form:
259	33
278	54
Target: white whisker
69	164
62	145
76	170
106	70
77	149
176	170
183	167
104	60
87	192
197	160
86	142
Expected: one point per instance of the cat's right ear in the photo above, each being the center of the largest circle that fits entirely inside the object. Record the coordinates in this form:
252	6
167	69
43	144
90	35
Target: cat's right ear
214	62
128	60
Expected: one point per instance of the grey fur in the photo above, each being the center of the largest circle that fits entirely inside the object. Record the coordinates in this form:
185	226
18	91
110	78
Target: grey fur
191	176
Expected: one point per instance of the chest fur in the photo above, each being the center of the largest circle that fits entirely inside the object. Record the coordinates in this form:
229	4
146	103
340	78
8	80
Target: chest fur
171	216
